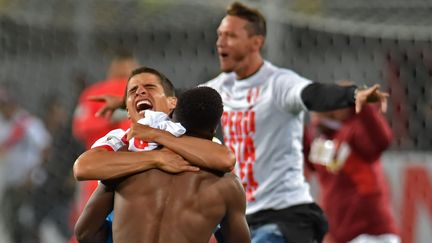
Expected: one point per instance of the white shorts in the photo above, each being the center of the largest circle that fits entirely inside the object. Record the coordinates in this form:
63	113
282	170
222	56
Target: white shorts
385	238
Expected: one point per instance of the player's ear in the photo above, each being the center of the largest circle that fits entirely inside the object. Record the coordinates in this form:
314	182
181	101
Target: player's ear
258	42
127	112
172	102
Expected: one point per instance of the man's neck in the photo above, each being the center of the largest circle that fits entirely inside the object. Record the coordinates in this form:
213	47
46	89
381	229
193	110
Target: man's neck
252	66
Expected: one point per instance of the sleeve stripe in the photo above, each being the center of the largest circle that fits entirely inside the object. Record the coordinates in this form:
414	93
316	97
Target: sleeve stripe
109	148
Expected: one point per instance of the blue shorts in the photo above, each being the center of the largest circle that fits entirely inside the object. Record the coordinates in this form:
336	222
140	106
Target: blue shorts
109	220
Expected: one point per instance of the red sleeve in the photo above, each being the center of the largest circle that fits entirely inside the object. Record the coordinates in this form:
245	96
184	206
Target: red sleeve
371	133
86	126
307	140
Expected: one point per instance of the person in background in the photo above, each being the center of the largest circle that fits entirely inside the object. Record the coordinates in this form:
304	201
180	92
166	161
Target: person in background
86	126
24	142
344	150
53	196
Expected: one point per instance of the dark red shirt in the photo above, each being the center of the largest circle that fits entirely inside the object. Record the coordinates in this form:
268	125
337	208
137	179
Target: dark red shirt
356	197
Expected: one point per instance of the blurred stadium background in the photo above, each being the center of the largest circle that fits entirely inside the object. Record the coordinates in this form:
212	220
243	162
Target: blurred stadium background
56	47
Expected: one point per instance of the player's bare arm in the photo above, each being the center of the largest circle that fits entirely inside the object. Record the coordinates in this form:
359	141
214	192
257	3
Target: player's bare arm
91	226
234	228
102	164
200	152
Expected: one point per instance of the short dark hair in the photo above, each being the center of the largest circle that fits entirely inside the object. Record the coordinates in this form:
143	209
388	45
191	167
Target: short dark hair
257	22
122	54
167	85
199	110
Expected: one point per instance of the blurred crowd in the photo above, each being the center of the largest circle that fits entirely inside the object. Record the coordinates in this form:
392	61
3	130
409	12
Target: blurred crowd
36	157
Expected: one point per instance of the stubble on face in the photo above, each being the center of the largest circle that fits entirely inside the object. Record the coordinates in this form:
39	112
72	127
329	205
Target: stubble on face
233	43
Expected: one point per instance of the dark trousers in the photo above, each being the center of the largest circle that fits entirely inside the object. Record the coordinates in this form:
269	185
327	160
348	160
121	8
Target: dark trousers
18	215
305	223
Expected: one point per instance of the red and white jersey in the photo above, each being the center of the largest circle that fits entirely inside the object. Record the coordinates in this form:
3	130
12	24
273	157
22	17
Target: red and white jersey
23	139
263	124
157	120
116	139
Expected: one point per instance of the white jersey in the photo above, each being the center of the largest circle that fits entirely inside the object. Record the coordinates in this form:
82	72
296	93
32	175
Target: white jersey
263	123
23	140
116	139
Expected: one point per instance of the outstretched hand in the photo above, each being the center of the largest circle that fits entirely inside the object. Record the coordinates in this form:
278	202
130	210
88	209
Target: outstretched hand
174	163
111	104
371	94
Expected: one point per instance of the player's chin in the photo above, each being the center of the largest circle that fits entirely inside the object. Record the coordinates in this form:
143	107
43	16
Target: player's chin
137	117
225	64
226	68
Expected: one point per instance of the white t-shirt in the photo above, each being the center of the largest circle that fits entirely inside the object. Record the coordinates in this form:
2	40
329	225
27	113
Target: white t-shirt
263	124
23	140
116	139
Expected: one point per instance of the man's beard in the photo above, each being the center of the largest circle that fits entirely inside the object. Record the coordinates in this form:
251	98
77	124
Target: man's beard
235	59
